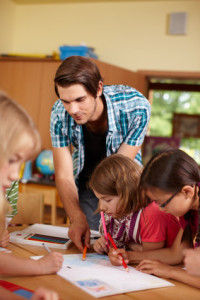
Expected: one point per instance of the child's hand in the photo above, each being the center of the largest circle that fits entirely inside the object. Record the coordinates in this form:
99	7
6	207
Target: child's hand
43	294
50	263
5	238
100	246
115	258
155	267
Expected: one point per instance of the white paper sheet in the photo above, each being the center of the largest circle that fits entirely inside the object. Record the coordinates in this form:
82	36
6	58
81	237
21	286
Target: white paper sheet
99	278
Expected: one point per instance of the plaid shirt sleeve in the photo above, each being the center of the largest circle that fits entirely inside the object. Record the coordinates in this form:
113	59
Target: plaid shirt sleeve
128	114
136	123
58	126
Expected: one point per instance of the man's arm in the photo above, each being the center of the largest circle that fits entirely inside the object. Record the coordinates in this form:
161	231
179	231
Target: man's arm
68	193
127	150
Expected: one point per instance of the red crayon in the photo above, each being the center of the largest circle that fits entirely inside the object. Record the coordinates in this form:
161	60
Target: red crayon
115	247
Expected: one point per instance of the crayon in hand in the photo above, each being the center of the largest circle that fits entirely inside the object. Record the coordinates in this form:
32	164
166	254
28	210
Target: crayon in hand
84	253
115	247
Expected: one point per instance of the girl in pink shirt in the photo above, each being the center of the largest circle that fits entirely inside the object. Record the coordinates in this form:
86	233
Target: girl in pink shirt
132	226
172	179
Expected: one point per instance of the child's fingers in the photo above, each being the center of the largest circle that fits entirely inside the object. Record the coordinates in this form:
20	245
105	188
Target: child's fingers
145	265
99	246
102	242
115	259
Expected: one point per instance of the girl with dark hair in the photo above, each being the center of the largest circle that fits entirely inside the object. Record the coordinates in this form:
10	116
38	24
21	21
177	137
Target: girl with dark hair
172	179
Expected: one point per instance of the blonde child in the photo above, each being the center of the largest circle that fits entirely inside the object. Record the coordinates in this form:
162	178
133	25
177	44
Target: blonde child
20	141
172	180
115	183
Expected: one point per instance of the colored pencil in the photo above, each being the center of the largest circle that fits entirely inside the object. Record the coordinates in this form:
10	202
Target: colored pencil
115	247
104	228
84	253
46	247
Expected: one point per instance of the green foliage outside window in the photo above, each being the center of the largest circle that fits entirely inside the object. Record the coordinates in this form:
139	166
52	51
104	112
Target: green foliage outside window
165	103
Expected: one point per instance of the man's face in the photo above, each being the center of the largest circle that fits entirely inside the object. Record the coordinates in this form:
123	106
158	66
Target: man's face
79	104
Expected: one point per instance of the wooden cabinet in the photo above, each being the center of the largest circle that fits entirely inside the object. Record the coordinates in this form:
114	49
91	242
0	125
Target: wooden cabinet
30	83
50	194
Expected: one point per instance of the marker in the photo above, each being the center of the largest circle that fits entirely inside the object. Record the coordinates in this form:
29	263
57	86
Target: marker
46	247
115	247
84	253
104	228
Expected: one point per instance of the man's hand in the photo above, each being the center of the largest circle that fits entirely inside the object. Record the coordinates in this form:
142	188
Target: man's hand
79	231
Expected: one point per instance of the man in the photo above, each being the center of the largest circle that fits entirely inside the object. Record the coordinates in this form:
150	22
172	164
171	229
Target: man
97	121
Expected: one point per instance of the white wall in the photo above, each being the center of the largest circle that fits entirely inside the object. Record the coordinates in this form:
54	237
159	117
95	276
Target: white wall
7	25
128	34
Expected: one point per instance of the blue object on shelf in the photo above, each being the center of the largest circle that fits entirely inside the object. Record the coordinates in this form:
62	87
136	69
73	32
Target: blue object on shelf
66	51
27	174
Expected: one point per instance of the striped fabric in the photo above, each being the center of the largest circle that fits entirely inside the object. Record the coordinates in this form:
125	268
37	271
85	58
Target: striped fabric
12	197
125	230
128	117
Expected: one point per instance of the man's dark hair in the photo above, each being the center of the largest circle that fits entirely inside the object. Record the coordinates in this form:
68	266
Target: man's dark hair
78	70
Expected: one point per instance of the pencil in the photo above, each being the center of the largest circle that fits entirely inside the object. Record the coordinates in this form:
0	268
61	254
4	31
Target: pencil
46	247
104	228
115	247
84	253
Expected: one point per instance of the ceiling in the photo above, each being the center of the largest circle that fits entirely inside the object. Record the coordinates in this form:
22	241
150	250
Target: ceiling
82	1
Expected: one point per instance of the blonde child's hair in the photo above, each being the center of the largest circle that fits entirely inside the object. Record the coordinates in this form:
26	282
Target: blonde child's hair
118	175
15	126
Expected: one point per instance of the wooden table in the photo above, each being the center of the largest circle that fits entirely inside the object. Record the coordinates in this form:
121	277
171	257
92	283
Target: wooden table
68	291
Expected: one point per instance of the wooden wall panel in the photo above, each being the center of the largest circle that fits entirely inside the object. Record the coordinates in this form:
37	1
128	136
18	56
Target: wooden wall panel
6	71
26	79
47	99
21	80
115	75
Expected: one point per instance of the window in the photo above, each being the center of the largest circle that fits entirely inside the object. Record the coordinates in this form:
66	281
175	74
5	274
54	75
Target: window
169	96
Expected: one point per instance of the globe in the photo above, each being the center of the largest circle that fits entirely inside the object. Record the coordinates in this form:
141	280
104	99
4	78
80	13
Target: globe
44	163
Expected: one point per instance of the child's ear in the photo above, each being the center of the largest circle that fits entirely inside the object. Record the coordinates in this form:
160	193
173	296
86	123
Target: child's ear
188	191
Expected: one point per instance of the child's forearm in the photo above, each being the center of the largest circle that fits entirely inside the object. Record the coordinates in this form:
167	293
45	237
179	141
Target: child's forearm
13	265
170	256
165	255
182	276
